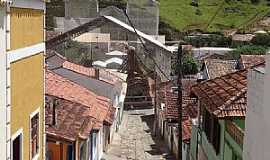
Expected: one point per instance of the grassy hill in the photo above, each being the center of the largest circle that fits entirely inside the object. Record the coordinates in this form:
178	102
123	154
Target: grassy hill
180	14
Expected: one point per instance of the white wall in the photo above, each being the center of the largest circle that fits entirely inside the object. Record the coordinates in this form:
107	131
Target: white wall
3	83
100	143
257	131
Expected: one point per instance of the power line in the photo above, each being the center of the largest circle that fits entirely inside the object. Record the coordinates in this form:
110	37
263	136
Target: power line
145	49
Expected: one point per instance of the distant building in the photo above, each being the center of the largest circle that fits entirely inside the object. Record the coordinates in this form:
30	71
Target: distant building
22	79
167	116
248	61
213	68
144	14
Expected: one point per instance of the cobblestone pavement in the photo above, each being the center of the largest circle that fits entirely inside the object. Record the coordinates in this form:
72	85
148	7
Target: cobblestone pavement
134	141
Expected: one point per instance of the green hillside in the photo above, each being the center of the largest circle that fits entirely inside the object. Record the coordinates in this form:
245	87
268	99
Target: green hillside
181	15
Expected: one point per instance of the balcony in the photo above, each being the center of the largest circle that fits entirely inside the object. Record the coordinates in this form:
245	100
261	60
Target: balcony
235	132
138	101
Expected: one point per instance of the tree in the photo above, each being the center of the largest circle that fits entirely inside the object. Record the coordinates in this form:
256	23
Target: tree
261	39
190	65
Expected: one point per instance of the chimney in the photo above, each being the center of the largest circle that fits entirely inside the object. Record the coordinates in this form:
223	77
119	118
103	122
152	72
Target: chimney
54	114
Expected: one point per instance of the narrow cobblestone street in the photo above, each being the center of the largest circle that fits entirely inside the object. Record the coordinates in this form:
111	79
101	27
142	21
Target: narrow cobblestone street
134	141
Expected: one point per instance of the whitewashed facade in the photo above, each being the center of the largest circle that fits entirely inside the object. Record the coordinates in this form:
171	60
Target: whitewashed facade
256	141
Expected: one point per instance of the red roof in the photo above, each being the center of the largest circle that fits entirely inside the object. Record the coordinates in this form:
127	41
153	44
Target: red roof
110	116
189	106
248	61
101	74
90	72
186	131
72	121
61	87
224	96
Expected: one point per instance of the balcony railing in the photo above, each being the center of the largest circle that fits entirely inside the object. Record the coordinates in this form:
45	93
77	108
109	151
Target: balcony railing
138	101
236	132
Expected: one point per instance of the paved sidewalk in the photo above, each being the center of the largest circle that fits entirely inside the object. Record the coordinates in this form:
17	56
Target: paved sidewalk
134	140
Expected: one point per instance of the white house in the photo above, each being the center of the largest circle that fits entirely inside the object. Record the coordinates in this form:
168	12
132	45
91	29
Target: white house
256	141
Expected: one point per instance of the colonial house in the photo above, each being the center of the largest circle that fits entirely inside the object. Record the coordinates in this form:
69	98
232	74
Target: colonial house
167	116
22	82
68	126
212	68
99	109
100	81
219	131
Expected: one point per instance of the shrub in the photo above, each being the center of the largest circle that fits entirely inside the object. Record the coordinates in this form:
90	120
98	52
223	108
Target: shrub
248	50
190	65
261	39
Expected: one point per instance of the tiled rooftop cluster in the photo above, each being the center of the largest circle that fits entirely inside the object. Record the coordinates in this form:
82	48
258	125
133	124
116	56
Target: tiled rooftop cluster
248	61
72	120
78	109
224	96
189	107
217	67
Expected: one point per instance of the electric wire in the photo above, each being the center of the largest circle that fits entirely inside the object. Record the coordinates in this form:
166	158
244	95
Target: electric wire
145	48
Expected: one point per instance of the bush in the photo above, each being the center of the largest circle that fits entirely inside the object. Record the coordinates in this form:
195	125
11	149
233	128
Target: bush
255	1
261	39
210	41
248	50
198	12
190	65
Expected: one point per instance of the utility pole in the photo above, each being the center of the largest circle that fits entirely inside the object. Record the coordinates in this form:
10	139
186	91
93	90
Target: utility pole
179	99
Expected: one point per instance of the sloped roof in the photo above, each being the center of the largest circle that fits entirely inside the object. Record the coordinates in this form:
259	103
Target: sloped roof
73	120
110	116
224	96
90	72
216	67
143	35
248	61
61	87
243	37
189	106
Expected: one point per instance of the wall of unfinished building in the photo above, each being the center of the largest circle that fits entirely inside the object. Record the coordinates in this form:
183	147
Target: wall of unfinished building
144	14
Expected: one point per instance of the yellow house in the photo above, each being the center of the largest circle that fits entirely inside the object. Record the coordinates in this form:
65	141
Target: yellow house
22	51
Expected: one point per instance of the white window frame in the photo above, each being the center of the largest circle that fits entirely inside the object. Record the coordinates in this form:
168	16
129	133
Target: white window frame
13	137
36	157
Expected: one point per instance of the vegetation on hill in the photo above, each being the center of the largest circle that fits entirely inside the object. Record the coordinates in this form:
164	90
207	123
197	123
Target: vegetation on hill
183	15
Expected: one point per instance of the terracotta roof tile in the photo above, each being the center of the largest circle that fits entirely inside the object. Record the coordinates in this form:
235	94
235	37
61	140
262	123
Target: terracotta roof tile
224	96
110	116
186	131
217	67
171	108
51	35
100	74
248	61
73	120
90	72
61	87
